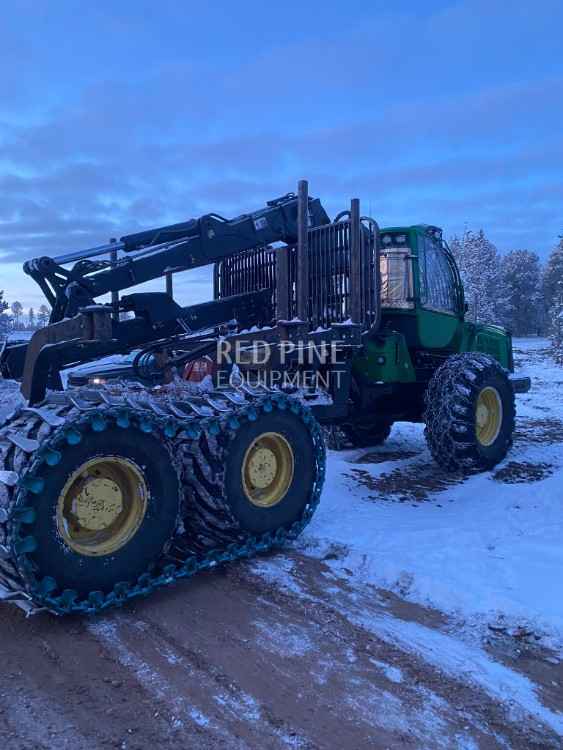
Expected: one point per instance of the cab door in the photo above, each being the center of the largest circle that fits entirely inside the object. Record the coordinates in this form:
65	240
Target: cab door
439	316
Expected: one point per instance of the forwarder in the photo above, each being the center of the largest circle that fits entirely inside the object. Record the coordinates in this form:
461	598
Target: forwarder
111	491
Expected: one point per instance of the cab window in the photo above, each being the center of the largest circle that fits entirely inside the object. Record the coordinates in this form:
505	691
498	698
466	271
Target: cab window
395	267
437	286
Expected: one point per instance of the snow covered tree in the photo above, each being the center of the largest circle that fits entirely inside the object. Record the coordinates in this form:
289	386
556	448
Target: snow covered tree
553	292
556	326
43	316
520	292
479	265
5	320
553	273
17	311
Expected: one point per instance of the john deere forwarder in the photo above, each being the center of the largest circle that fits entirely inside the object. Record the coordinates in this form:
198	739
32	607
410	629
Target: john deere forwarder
108	492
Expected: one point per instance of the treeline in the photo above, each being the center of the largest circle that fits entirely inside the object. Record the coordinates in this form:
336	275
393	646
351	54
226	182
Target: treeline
515	290
13	317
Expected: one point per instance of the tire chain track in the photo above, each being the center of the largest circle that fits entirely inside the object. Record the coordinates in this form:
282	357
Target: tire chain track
450	422
196	430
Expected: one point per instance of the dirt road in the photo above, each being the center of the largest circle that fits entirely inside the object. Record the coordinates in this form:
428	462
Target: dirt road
279	653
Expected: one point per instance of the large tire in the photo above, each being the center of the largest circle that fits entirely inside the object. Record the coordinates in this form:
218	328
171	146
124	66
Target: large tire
75	558
364	436
470	413
269	470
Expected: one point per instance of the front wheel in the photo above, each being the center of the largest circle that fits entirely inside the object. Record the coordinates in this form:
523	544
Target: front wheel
470	413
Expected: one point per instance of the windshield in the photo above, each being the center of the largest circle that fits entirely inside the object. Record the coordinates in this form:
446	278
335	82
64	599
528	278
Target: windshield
395	267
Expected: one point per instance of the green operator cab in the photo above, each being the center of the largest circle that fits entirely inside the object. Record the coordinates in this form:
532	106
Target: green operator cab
423	327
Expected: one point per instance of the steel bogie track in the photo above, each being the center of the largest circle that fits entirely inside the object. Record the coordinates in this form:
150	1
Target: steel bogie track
196	432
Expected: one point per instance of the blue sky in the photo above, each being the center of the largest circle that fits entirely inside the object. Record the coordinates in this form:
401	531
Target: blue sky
121	115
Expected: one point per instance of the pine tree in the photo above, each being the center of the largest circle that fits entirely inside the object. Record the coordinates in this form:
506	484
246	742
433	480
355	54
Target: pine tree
17	311
43	316
31	318
553	293
553	273
520	292
5	320
556	326
479	265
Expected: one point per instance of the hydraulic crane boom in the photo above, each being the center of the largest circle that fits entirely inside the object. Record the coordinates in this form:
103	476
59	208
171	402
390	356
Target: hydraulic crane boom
79	330
178	247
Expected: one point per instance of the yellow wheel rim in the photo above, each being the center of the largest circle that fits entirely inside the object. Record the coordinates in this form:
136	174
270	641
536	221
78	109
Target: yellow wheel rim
488	416
267	470
102	506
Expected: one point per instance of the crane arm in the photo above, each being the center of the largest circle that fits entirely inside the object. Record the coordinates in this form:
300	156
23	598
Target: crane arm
155	252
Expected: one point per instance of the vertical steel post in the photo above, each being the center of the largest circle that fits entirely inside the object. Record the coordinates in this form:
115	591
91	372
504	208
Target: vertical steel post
355	263
169	284
114	295
215	281
282	283
302	251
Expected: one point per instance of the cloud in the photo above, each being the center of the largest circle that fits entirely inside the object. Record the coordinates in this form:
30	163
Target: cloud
138	116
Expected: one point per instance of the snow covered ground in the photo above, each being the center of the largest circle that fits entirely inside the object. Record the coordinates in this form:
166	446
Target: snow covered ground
487	549
483	554
429	606
20	336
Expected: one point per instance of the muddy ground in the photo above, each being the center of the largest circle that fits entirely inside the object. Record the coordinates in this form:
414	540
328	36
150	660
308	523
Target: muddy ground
237	660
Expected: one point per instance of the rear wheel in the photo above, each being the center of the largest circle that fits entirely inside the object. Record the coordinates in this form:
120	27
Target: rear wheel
470	413
270	472
106	512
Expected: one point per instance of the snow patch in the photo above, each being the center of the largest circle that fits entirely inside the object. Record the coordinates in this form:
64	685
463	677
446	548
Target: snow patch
283	639
465	662
477	548
394	674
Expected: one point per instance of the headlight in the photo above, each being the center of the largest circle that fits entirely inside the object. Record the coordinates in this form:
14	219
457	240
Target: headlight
400	239
386	239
